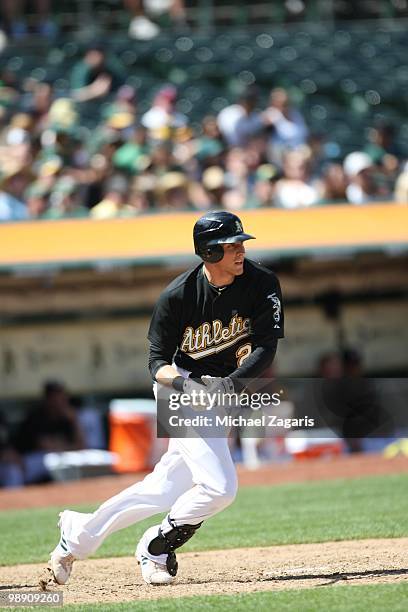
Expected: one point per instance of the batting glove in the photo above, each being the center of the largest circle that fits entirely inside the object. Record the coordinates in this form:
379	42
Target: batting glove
217	388
197	391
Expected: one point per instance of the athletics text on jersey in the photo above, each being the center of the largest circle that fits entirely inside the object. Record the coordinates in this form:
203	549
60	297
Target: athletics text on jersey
210	331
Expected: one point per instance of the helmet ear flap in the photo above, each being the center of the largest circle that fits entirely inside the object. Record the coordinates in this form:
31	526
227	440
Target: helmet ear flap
212	254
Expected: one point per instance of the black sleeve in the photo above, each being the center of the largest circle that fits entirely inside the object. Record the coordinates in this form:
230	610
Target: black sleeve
156	361
267	322
163	332
256	363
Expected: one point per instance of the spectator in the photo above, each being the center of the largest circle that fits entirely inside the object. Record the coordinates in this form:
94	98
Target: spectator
251	122
333	185
122	113
289	128
95	75
49	169
39	103
118	126
213	181
59	138
114	202
227	120
263	194
145	183
137	203
162	120
13	184
16	146
238	122
320	153
200	197
359	169
65	200
52	427
141	27
126	99
255	156
133	155
172	192
37	199
294	190
55	136
236	170
162	159
401	186
385	155
381	143
233	200
209	147
210	128
10	93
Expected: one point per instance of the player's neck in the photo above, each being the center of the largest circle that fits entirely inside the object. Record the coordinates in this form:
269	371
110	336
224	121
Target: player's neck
217	277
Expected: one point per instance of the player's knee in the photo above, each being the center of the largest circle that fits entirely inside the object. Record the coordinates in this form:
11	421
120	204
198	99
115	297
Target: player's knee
230	493
224	495
227	498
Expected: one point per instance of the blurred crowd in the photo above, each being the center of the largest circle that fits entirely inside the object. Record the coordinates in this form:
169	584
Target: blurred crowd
250	155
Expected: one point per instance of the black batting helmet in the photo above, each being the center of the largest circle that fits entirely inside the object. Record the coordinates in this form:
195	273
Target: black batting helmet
215	229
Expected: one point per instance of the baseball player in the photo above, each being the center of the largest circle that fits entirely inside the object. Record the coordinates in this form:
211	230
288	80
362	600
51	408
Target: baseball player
221	320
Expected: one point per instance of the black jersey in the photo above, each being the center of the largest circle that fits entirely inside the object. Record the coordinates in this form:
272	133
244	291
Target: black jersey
211	331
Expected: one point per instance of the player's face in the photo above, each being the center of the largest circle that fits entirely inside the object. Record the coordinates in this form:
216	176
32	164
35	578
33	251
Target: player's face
233	260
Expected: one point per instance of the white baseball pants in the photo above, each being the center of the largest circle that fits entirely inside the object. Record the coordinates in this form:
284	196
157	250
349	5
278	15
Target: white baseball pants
194	480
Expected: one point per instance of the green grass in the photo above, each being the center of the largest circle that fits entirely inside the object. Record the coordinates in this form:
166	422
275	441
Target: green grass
371	507
344	598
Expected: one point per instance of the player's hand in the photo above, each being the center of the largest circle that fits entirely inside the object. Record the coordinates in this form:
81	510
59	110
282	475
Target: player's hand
197	391
218	387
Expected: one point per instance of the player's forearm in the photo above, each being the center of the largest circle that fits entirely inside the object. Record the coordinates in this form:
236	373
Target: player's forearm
166	374
160	358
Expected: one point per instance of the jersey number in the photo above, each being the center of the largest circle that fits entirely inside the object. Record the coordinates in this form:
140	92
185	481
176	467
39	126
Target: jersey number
242	353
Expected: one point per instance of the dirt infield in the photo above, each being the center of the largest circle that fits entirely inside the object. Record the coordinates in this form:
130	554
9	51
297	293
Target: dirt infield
229	571
234	571
98	489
